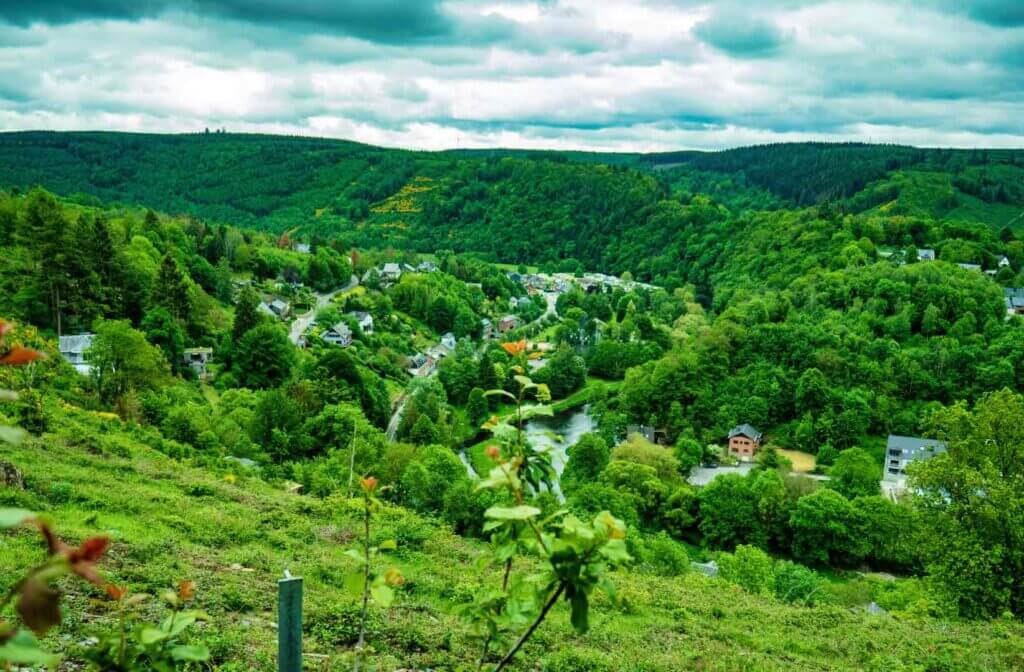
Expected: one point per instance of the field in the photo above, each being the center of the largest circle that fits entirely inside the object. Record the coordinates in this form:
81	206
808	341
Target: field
803	463
234	536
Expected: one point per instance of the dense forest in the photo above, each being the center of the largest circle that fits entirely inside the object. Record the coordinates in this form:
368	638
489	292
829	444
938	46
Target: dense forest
381	337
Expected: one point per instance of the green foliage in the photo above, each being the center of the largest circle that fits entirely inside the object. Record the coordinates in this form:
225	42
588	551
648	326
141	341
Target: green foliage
264	357
855	473
748	567
826	530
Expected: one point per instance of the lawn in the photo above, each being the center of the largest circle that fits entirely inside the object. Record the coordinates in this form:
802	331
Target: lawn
803	463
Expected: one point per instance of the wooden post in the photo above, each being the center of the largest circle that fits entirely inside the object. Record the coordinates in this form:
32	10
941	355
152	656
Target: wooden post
289	623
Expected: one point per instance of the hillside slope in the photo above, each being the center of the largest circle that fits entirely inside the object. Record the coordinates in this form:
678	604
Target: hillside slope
234	536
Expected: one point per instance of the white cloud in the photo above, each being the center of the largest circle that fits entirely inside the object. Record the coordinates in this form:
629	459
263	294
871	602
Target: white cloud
616	75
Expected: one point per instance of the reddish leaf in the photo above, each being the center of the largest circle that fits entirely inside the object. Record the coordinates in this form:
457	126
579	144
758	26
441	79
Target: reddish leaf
91	550
116	593
38	606
5	327
186	590
19	356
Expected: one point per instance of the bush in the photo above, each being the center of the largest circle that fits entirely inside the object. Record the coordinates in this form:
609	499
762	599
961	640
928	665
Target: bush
749	568
665	556
338	624
796	584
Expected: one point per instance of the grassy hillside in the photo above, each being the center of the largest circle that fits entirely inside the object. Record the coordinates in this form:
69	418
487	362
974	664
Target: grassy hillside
234	536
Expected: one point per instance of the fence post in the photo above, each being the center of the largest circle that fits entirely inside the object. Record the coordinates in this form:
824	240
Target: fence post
289	623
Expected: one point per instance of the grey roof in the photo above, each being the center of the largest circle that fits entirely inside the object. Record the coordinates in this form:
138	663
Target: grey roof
391	267
926	253
341	329
1014	292
78	343
914	446
745	430
970	267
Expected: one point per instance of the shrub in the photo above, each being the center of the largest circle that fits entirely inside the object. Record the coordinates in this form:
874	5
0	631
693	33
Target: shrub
796	584
666	556
749	567
578	660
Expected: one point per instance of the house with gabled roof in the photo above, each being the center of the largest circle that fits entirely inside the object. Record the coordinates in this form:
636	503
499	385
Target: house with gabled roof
363	319
197	359
1014	297
340	334
744	441
73	348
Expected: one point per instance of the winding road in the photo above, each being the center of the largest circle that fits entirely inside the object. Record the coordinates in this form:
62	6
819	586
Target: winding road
303	321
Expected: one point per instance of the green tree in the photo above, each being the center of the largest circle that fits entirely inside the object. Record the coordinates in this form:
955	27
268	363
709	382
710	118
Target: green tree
122	360
476	407
264	357
855	474
826	530
247	314
588	457
728	513
171	290
971	500
163	331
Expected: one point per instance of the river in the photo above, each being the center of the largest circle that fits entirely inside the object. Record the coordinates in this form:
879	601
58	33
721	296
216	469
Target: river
558	433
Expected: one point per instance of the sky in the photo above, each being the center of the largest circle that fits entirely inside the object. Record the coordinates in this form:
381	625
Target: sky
608	75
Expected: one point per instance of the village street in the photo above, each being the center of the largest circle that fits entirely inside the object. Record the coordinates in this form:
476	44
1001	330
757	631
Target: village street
303	321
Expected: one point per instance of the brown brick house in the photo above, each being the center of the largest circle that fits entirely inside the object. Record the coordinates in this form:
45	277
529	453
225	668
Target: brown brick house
744	441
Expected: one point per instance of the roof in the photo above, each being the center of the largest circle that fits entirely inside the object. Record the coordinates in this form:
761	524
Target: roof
913	446
391	267
925	253
198	351
341	329
76	343
509	317
970	267
745	430
360	314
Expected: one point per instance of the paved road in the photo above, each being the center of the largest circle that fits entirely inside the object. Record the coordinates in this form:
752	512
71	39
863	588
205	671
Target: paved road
303	321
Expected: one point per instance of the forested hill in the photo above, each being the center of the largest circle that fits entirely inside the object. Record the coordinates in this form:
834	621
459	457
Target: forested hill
596	210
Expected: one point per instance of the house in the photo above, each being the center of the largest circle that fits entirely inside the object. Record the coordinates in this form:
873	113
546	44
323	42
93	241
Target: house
364	319
1014	297
437	352
1004	262
391	272
970	267
486	329
422	366
448	341
302	248
276	308
744	441
508	323
925	254
340	335
426	267
197	359
902	450
72	348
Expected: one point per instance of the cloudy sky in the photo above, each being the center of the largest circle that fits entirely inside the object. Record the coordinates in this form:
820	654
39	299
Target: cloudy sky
586	74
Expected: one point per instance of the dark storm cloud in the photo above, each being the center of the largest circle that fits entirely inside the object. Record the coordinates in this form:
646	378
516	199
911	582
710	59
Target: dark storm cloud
383	20
741	34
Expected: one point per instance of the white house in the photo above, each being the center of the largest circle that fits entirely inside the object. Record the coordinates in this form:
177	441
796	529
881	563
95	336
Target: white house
391	272
276	308
339	335
364	319
197	359
1004	262
902	450
448	340
73	348
925	254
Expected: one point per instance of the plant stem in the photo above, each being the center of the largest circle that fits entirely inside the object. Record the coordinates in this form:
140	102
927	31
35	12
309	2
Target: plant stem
533	626
490	637
366	586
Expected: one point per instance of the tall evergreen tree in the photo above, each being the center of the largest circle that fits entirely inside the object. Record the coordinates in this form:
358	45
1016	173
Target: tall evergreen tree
171	290
246	314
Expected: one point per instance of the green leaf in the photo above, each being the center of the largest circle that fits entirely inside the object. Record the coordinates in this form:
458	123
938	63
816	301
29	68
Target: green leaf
196	653
150	636
495	393
356	554
388	545
580	611
525	382
14	517
23	649
497	478
615	552
354	583
12	434
175	625
521	512
382	594
536	410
